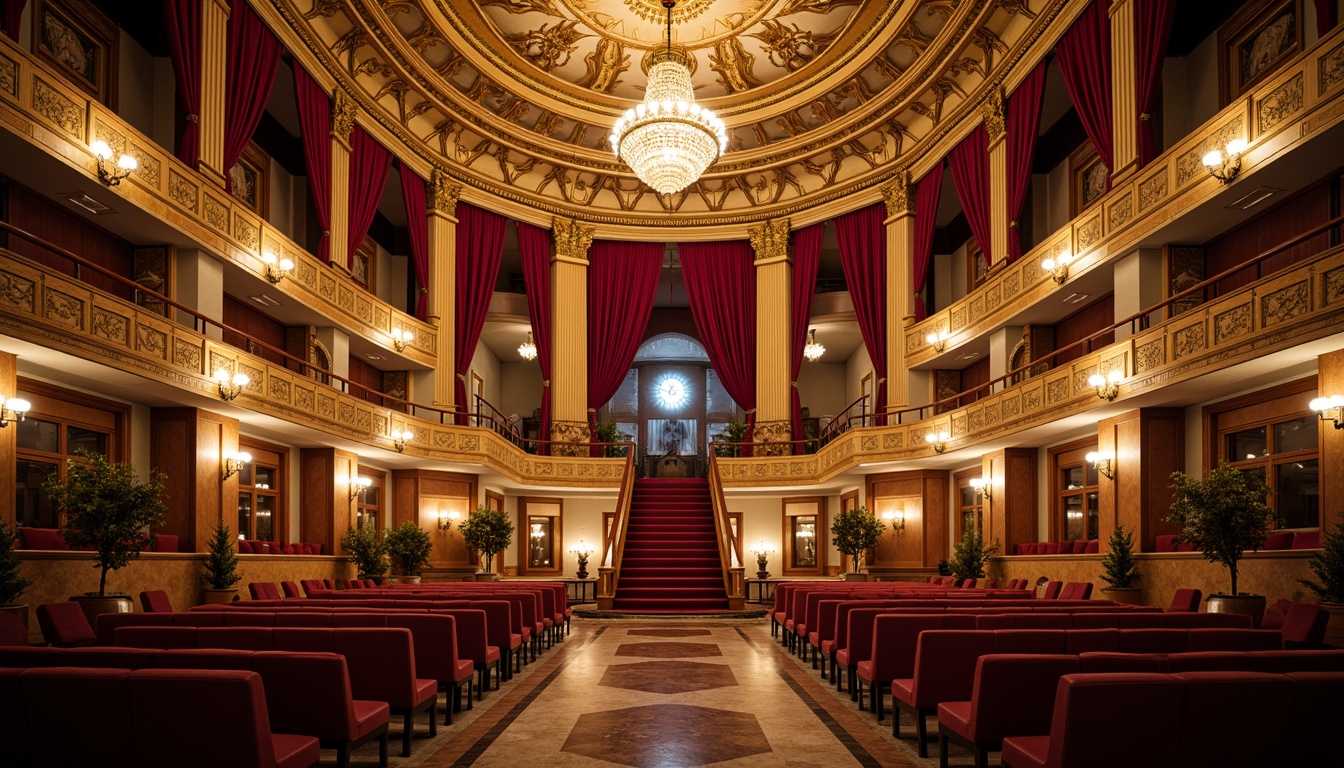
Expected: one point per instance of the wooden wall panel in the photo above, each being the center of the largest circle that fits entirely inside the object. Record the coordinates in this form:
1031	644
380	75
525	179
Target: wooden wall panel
923	542
972	376
325	507
1330	381
187	444
416	496
1148	445
63	228
1267	230
1010	515
256	325
1083	323
8	483
367	376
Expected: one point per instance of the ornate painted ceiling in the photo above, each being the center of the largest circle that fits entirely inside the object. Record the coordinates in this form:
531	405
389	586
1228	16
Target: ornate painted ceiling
823	98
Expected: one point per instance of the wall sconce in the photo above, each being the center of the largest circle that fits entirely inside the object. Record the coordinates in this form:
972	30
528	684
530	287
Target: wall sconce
125	164
938	440
1107	386
1101	462
400	437
813	350
1330	408
448	519
234	461
1058	267
13	409
358	485
762	553
983	486
896	518
938	340
528	349
582	552
276	269
401	338
1225	167
230	385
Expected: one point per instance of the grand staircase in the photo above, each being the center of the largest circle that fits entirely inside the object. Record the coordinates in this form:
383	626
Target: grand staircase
671	560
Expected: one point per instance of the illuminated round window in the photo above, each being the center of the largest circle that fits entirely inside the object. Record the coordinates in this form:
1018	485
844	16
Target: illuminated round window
671	392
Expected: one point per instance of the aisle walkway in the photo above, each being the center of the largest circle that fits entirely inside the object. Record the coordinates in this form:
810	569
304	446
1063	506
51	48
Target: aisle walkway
664	693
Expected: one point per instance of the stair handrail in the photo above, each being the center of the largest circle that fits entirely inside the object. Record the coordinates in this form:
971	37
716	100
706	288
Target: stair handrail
734	574
609	567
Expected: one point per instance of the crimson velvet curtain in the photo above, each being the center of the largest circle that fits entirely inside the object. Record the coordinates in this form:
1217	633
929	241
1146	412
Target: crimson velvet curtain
863	256
315	122
969	161
480	243
622	281
1152	31
1327	16
534	246
806	262
1022	113
417	227
1084	55
721	286
369	164
11	16
183	21
927	192
254	53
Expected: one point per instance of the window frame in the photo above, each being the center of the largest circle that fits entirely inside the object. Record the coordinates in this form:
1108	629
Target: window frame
1068	456
273	456
557	539
961	481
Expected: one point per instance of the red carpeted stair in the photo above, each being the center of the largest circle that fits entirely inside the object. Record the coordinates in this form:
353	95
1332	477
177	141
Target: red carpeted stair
671	559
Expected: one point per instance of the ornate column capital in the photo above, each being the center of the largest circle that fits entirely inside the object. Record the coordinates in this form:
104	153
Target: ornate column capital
572	239
991	113
897	194
343	111
443	193
770	241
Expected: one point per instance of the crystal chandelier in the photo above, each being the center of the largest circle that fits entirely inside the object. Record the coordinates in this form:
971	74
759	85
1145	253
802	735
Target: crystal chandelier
528	349
669	140
813	351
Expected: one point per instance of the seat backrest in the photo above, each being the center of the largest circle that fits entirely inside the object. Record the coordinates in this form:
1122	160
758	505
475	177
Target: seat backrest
231	718
1186	600
434	636
1030	640
968	584
381	663
1221	639
1014	695
1024	621
1090	708
352	584
1052	590
12	631
1285	662
472	642
1307	540
1197	620
291	589
64	625
50	697
1093	663
312	585
257	590
496	622
305	639
1304	624
1153	640
1214	699
308	693
1317	710
204	658
248	619
155	637
241	638
155	601
1207	661
944	664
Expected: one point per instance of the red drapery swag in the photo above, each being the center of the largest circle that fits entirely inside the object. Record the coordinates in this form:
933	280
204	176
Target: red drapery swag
969	161
622	282
417	226
369	164
534	246
11	15
1152	31
927	192
721	286
315	122
1022	113
1084	55
183	21
480	243
254	53
806	262
1327	16
863	256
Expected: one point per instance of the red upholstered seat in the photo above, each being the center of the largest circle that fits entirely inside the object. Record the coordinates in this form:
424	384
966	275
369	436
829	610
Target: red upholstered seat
1213	698
64	625
1052	590
1307	540
1317	710
1186	600
1091	663
50	697
241	638
1093	547
1304	626
943	670
165	542
1166	543
382	664
155	637
1278	540
1013	695
155	601
41	538
12	631
244	547
291	589
310	693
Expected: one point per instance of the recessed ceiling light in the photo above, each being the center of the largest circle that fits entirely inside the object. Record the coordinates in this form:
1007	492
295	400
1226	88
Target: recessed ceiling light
968	356
373	356
83	201
264	300
1254	197
1074	298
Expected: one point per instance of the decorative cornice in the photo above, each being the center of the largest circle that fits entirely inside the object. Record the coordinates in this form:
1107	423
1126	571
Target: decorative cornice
770	241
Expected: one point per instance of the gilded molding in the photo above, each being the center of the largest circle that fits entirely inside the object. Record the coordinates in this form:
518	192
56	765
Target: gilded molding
343	111
444	193
991	114
572	239
770	241
897	194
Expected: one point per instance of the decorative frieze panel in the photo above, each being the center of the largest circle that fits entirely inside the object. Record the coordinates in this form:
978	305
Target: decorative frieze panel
1282	103
1331	69
1284	304
58	109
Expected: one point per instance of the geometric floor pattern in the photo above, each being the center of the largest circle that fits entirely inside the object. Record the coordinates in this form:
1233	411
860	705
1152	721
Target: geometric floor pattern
667	735
668	676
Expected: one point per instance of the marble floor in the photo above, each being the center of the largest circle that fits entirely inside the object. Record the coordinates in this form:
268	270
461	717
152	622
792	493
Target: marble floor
663	693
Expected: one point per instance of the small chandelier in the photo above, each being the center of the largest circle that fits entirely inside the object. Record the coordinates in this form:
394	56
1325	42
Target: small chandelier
528	349
669	140
813	351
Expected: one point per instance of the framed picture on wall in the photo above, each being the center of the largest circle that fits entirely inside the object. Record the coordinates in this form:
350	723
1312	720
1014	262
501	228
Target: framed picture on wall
363	266
1255	42
251	179
977	264
1087	178
76	38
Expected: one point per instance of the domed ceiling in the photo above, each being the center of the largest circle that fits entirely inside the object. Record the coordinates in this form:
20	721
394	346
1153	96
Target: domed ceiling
822	98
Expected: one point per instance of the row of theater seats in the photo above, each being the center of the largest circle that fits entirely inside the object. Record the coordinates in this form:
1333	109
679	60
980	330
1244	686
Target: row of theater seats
1275	541
51	539
247	547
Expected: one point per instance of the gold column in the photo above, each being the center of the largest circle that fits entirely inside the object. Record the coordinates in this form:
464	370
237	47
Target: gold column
210	121
569	333
992	114
774	327
900	225
1124	106
342	123
443	279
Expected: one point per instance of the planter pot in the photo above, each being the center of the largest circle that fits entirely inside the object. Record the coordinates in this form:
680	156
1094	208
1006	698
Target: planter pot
1248	605
94	606
20	612
487	577
218	596
856	577
409	580
1124	595
1334	631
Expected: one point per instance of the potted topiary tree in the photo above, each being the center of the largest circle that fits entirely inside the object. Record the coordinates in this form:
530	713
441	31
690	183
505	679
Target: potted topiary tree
366	547
969	556
1328	565
12	581
855	531
487	531
408	548
1222	516
729	442
221	568
109	510
1119	569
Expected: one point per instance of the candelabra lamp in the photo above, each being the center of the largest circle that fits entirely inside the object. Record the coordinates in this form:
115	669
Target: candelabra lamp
762	553
582	552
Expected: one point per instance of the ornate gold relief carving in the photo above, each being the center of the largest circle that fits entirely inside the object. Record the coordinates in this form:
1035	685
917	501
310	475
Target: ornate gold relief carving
572	239
9	76
17	291
991	114
1284	304
444	192
733	63
896	194
1232	323
1153	189
605	64
1191	164
1333	286
110	326
1332	69
1149	356
1283	102
569	438
343	112
63	308
1188	341
770	241
61	111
